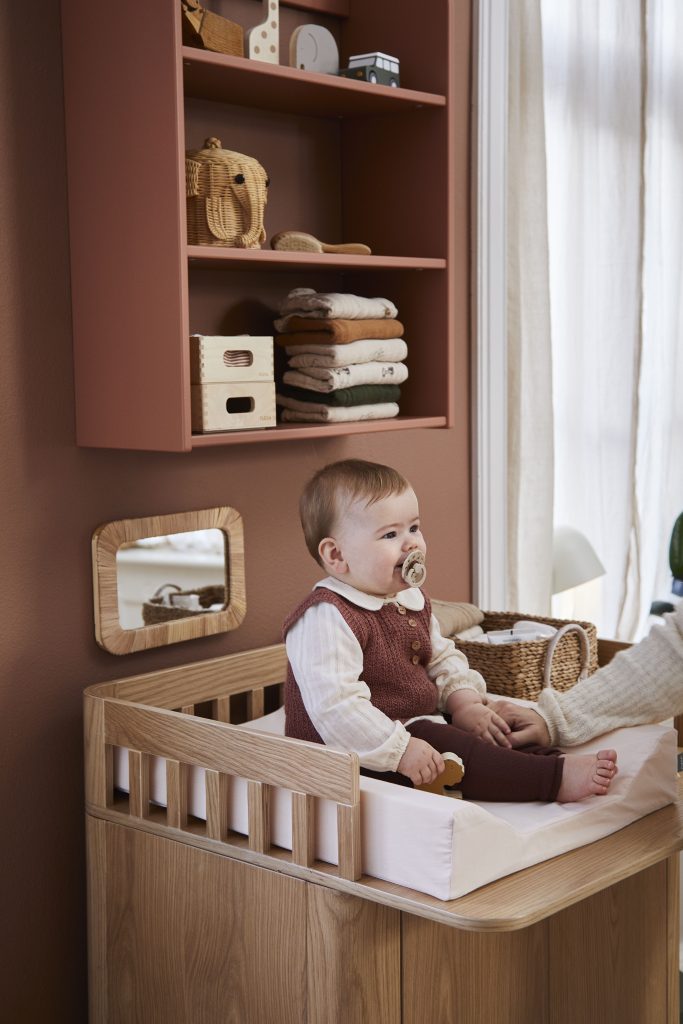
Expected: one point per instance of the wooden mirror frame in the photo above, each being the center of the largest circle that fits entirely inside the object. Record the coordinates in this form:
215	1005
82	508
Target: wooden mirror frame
106	541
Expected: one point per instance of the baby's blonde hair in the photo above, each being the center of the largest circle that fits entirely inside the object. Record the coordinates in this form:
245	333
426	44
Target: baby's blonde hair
329	492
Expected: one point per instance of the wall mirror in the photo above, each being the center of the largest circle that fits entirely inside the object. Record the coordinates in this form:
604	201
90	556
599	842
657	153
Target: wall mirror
163	579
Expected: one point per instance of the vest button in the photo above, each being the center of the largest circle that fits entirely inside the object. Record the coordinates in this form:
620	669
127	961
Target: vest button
412	622
415	660
400	609
415	645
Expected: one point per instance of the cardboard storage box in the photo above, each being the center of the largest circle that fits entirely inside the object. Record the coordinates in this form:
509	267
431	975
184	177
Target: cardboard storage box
232	405
241	357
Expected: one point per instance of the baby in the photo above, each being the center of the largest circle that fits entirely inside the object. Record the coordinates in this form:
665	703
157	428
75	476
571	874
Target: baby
370	672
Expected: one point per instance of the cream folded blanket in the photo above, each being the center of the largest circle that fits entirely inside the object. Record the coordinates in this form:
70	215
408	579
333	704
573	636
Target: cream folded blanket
336	306
456	616
473	633
365	350
294	411
325	379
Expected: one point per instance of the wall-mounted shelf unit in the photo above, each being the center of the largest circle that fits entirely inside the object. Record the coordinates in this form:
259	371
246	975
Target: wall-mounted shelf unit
348	161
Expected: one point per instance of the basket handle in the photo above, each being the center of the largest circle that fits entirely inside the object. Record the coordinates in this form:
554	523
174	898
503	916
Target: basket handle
160	590
570	627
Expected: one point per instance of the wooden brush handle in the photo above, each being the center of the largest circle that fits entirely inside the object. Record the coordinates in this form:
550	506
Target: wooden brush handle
351	248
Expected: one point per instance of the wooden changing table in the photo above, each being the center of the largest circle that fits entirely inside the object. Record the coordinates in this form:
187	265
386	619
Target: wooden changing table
191	925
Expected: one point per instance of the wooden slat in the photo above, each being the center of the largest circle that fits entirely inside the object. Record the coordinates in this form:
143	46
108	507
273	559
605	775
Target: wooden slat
255	703
187	709
200	680
258	803
98	756
276	760
109	773
303	829
221	709
138	775
678	726
348	841
216	805
176	793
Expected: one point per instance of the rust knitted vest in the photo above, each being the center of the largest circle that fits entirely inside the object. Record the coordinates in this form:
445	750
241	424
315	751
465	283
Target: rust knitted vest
396	648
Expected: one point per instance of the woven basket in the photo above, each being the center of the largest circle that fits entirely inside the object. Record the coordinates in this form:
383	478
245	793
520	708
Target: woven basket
154	610
226	195
522	668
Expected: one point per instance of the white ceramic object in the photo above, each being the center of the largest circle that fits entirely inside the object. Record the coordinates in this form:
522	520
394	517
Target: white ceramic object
313	48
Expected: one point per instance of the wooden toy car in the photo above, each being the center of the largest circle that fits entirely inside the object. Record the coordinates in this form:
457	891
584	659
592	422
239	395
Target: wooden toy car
378	68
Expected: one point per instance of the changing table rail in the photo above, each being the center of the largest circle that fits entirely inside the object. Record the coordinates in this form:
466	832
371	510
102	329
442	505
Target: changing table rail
139	715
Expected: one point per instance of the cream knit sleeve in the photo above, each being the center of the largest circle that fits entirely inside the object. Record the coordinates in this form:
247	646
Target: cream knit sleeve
640	685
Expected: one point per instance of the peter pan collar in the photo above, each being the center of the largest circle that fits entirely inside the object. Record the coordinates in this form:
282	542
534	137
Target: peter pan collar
412	598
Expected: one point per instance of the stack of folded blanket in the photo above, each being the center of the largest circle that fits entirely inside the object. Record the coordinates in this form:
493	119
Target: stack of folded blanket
345	357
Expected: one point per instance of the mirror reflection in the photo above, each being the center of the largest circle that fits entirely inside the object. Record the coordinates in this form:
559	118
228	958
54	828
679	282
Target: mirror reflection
174	576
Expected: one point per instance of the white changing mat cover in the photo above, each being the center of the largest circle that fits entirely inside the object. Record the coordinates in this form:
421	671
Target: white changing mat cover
447	847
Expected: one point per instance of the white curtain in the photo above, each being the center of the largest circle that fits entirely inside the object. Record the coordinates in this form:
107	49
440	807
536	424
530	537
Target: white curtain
613	118
530	435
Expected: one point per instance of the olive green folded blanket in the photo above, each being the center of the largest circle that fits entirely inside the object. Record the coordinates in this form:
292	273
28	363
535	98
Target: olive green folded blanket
362	394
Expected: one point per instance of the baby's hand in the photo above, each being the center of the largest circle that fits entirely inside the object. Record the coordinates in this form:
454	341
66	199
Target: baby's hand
420	762
469	712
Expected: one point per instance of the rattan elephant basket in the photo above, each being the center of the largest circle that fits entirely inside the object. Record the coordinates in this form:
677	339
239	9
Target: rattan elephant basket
226	197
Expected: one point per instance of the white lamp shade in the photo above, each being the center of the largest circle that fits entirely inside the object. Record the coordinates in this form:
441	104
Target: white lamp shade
574	560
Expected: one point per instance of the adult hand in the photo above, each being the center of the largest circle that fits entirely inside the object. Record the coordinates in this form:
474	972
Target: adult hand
484	722
526	724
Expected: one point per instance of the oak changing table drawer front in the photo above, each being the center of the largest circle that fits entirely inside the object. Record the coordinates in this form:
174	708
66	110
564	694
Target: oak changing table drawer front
241	357
235	405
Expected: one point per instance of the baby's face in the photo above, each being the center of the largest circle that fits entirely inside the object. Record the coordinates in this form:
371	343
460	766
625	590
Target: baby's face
375	539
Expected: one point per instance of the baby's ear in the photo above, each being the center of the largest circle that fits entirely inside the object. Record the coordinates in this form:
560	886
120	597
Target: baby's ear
331	556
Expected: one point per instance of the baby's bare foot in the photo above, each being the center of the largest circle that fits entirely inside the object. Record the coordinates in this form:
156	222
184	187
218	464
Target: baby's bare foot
587	775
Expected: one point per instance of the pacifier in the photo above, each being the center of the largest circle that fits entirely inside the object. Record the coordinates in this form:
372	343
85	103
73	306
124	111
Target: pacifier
414	570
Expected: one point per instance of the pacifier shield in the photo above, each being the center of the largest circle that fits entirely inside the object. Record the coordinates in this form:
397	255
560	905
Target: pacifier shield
414	570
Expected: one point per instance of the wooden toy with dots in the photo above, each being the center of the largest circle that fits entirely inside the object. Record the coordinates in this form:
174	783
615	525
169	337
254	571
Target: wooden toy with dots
263	41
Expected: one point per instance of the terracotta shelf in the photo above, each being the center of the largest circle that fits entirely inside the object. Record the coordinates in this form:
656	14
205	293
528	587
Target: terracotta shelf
349	161
251	259
303	431
250	83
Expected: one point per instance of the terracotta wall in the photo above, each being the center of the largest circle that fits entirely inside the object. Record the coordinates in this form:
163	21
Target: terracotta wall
53	494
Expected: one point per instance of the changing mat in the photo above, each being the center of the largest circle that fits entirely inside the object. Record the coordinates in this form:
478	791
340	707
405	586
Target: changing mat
447	847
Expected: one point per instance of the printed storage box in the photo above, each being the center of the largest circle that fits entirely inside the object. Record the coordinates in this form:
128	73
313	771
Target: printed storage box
233	384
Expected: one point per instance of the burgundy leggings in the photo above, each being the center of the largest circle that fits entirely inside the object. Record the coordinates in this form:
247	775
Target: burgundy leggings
491	772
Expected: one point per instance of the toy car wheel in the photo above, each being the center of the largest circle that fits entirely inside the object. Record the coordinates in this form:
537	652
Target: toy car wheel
373	77
393	83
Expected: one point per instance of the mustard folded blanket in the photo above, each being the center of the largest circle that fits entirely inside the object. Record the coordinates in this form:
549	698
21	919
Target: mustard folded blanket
339	332
364	394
